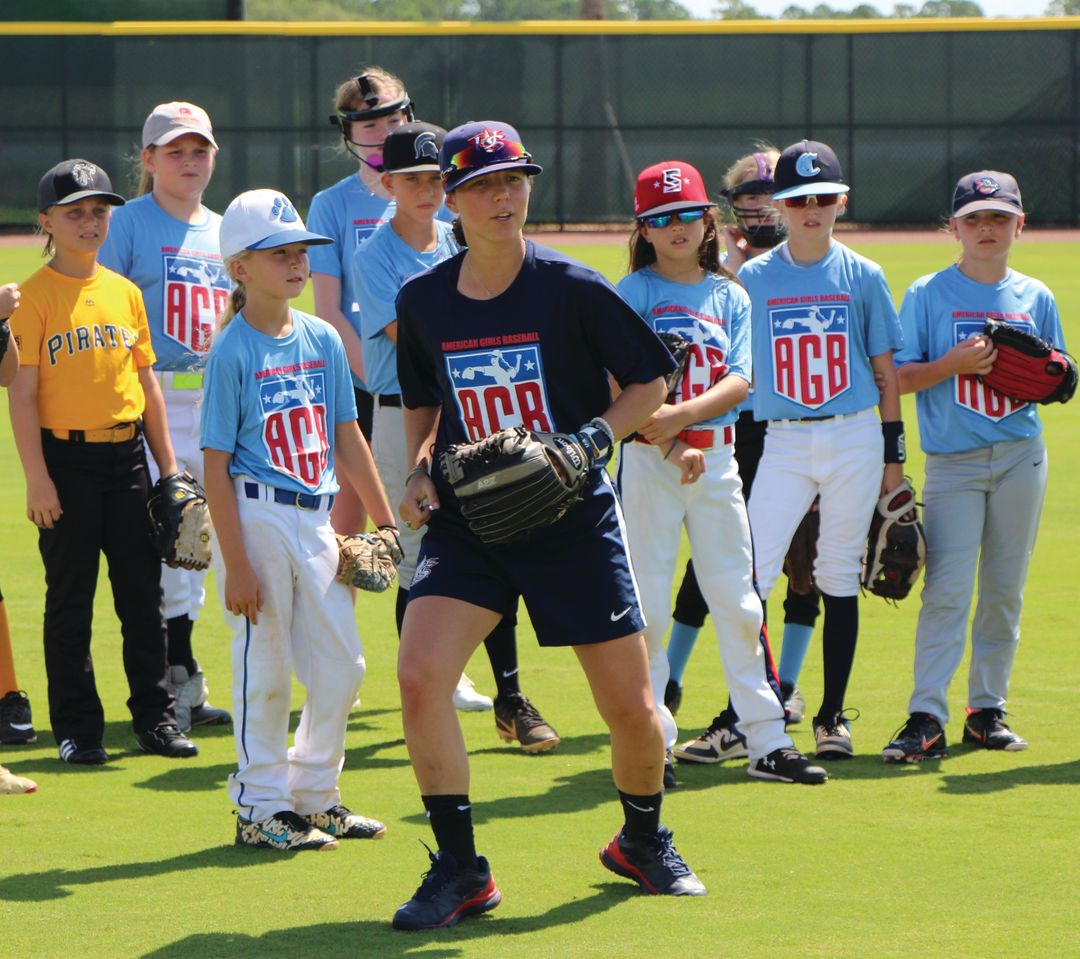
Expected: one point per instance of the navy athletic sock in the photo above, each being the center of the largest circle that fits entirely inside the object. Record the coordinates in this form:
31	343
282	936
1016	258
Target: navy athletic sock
793	652
451	821
680	645
501	646
839	635
179	649
642	813
399	607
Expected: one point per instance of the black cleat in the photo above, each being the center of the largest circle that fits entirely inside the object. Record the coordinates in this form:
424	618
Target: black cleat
82	753
921	737
670	782
16	725
166	740
447	894
653	863
987	728
787	765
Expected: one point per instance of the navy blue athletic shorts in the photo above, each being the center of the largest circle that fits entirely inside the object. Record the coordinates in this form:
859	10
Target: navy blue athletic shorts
574	576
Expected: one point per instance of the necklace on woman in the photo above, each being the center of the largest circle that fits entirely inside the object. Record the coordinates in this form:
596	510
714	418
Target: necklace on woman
479	282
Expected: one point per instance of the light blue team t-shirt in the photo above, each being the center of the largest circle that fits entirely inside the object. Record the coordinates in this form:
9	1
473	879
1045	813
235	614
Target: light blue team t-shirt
347	212
380	268
273	402
714	315
814	330
178	267
945	308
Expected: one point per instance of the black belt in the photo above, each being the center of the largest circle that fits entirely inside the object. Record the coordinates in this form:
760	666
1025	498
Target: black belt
808	419
390	399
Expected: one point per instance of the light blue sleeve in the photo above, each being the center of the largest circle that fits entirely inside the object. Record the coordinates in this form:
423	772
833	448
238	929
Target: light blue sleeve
1050	321
324	217
344	397
913	323
378	283
883	326
739	357
118	251
220	422
632	289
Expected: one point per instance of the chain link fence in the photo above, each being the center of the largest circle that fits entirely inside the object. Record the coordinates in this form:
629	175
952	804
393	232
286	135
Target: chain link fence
907	111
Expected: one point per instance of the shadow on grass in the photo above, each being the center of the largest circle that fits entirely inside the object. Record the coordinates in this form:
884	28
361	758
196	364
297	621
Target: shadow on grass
1054	774
376	938
57	883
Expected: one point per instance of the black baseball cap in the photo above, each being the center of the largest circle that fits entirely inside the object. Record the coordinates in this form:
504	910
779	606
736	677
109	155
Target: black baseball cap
987	190
413	148
72	181
808	168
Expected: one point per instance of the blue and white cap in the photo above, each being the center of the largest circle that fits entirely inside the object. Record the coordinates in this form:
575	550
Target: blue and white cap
262	220
808	168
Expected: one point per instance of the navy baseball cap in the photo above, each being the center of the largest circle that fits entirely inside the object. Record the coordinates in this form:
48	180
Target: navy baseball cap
413	148
480	147
987	190
72	181
262	220
808	168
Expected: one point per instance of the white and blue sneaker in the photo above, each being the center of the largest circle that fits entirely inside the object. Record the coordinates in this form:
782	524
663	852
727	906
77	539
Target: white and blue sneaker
285	831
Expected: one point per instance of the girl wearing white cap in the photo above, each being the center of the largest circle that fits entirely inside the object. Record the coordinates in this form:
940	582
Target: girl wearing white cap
986	468
279	418
166	242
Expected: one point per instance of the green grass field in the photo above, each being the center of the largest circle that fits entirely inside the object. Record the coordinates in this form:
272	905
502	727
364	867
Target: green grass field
973	856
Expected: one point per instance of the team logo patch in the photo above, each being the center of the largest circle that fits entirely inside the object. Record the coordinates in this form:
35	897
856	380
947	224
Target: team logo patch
499	388
83	173
811	354
971	393
283	210
424	568
294	425
196	292
671	180
424	146
804	166
490	141
986	185
708	350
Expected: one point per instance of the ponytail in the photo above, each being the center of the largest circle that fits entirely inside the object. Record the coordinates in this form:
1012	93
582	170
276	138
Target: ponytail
459	232
238	296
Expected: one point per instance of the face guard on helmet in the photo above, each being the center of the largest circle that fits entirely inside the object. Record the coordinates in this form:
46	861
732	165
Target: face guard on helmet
344	119
760	225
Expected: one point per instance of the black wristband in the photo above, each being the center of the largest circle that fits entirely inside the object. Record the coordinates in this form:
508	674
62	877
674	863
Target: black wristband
5	336
895	446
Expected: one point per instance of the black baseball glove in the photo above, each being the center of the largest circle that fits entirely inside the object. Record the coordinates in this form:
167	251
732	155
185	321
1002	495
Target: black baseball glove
516	481
1027	368
180	521
679	347
896	546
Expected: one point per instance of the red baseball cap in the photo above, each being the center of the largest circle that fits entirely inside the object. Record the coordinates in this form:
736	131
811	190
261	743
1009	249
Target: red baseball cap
668	186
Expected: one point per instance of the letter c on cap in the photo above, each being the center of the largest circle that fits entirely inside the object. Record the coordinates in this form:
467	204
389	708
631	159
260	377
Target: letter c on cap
804	166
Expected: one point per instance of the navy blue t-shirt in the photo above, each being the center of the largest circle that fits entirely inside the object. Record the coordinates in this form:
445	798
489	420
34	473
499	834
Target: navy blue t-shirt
537	355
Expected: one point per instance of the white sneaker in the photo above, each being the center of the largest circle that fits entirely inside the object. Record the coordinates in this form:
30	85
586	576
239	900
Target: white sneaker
467	699
722	740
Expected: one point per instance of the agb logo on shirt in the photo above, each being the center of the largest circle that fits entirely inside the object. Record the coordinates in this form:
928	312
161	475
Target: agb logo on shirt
810	353
499	388
196	293
294	425
707	361
970	392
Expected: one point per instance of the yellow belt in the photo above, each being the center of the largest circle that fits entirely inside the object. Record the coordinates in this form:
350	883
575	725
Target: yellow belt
117	434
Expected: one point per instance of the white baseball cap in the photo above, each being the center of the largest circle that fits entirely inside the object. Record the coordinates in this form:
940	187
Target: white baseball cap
262	220
170	121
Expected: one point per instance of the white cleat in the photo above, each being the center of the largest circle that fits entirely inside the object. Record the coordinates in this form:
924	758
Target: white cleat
468	700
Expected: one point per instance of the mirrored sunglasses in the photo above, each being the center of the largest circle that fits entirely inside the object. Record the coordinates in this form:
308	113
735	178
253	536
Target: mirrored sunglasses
821	199
661	220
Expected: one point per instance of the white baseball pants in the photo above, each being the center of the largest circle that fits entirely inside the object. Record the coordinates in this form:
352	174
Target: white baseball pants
656	507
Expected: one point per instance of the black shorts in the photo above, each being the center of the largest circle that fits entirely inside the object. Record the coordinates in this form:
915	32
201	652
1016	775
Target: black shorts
365	412
575	576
